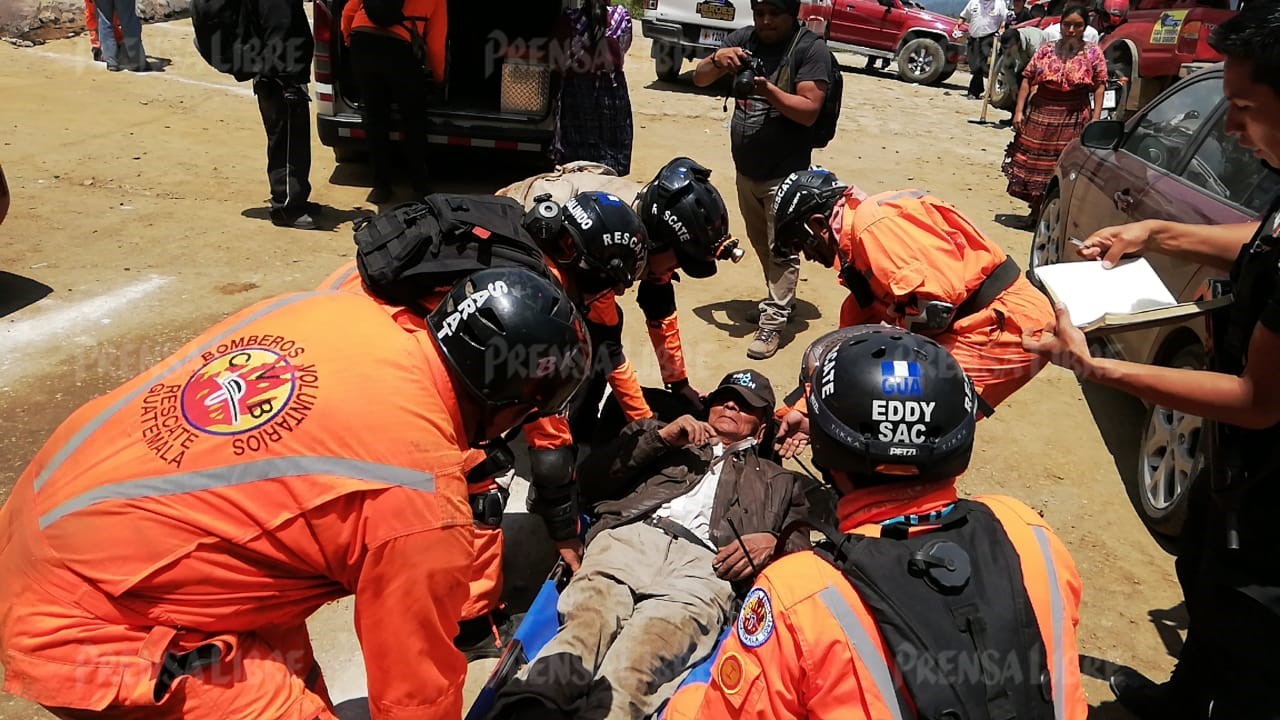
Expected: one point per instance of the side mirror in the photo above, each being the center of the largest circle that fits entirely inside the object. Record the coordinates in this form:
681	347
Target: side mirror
1103	134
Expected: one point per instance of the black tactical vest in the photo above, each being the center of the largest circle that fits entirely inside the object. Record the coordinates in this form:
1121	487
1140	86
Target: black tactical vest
953	609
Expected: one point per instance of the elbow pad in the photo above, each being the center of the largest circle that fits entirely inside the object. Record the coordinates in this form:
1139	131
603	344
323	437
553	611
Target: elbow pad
658	301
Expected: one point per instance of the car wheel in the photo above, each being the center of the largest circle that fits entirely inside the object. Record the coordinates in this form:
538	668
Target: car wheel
1004	90
667	59
1046	243
1170	459
921	61
947	71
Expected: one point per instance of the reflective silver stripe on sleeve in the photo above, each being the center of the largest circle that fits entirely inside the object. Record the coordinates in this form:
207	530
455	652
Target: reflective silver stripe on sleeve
900	195
1057	617
92	426
336	284
231	475
865	648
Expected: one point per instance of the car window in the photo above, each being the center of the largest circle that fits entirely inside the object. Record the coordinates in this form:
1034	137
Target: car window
1163	133
1231	172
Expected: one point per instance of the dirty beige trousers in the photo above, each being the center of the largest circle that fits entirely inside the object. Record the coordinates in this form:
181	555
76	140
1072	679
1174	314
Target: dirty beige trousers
755	200
643	608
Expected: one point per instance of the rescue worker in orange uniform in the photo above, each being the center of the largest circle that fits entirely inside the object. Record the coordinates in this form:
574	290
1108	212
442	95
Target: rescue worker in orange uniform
687	225
161	554
597	248
920	604
483	626
912	260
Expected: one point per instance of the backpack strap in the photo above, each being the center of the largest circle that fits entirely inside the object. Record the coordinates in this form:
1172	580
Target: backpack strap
784	77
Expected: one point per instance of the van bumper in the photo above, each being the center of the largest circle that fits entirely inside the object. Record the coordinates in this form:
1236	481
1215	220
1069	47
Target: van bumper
532	136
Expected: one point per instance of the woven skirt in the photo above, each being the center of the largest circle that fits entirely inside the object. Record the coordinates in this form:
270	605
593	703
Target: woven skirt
1052	120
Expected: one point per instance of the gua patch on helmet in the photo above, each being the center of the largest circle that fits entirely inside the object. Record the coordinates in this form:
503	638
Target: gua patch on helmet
755	620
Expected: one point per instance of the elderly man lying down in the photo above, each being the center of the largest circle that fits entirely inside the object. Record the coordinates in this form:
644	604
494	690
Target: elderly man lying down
693	510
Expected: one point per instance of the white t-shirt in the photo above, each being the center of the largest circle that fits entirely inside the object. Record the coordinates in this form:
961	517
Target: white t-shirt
693	509
984	16
1053	33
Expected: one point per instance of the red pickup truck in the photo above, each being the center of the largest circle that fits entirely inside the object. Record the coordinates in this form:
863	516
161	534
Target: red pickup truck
926	45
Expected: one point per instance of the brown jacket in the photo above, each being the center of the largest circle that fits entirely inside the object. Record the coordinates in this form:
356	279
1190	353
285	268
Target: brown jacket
644	472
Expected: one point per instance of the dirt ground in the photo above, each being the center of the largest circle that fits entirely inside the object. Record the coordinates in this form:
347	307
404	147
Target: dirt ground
139	219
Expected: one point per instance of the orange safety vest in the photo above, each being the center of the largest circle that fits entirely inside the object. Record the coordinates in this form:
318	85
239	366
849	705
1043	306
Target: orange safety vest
434	30
304	449
806	646
908	243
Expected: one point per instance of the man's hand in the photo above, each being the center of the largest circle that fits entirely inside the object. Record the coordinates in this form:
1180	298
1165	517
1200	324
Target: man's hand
766	89
691	394
793	434
1065	347
687	430
730	58
1113	243
731	563
571	551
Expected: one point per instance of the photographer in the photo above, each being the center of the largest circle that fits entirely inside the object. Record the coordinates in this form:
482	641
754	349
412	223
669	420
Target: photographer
770	135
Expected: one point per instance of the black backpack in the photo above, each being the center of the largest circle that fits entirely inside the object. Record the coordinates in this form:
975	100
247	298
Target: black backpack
223	30
823	129
416	248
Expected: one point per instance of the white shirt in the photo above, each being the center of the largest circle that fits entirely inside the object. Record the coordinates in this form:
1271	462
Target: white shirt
984	16
1053	33
693	509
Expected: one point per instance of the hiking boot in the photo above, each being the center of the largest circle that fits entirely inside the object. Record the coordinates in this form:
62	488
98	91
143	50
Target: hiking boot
97	55
764	345
487	635
1148	700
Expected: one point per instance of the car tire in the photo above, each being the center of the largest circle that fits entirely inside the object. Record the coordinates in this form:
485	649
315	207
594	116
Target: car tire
1004	89
922	61
667	60
1047	238
947	71
1170	458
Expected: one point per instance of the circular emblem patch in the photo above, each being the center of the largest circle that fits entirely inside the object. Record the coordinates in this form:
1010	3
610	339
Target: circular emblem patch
755	621
730	673
238	391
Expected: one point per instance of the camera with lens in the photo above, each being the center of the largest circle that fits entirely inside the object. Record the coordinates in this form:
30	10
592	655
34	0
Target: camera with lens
744	83
545	219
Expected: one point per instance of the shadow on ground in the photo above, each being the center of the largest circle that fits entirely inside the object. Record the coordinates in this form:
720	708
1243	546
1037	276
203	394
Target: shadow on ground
736	318
17	292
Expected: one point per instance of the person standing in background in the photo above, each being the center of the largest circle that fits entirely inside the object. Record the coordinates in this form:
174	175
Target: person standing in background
391	61
594	122
1053	107
126	53
985	18
91	27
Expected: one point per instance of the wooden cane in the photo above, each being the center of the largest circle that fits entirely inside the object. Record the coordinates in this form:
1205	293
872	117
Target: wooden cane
991	74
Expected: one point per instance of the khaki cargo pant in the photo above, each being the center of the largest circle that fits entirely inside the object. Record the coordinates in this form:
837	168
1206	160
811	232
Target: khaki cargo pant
755	201
642	609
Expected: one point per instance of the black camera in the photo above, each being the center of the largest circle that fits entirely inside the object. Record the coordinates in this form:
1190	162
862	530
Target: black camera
544	220
744	83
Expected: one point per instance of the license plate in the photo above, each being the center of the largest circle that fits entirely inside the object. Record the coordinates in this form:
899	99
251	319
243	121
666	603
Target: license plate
711	37
717	10
1109	100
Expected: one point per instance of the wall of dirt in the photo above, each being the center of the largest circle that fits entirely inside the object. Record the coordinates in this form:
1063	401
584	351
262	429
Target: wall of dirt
46	19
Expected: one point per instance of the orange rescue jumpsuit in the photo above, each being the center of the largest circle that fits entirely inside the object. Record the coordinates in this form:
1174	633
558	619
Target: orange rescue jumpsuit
907	243
435	29
818	652
485	586
304	449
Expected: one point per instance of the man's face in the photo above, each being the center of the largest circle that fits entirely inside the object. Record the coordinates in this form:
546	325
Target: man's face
773	25
1253	111
734	420
662	264
821	245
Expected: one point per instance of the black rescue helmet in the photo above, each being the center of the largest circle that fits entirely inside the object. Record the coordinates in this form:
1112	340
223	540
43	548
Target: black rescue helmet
609	240
516	342
682	211
802	194
889	406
